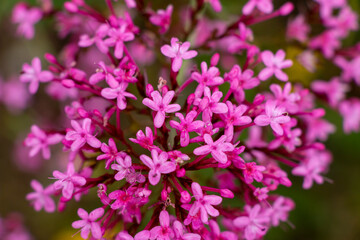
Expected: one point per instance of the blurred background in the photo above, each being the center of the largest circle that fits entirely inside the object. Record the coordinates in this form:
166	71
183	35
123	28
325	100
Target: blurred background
329	211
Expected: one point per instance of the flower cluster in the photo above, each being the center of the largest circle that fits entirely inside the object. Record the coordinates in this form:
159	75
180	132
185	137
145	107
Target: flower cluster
153	142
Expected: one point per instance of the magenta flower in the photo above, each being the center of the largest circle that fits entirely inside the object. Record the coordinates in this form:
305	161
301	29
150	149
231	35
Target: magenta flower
334	90
180	235
298	29
350	111
164	231
123	167
274	116
40	198
158	165
161	105
218	235
122	199
241	80
81	135
145	141
327	42
186	125
39	140
34	75
68	181
110	153
274	65
203	204
211	104
26	18
217	149
279	211
89	223
252	171
116	39
162	18
264	6
118	93
255	223
177	51
311	171
208	77
234	117
98	39
285	98
350	70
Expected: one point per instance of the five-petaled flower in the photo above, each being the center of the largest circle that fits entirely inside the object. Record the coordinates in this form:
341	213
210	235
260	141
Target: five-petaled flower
164	231
40	198
158	165
274	65
177	51
89	223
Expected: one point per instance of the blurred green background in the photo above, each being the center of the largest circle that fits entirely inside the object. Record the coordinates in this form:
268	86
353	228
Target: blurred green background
328	211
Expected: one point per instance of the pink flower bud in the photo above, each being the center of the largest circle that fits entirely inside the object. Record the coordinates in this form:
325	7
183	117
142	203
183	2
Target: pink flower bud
71	7
191	99
164	195
83	113
226	193
286	9
318	113
149	90
185	197
214	59
181	172
50	58
68	83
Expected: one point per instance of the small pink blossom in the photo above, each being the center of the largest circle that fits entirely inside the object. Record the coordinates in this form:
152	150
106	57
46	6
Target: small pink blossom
216	234
81	135
264	6
117	37
158	165
203	204
142	235
145	141
98	39
350	111
89	223
180	235
253	172
177	51
274	116
26	18
41	197
162	18
118	93
285	98
350	69
298	29
274	65
279	210
255	223
211	104
209	77
217	149
161	105
327	42
164	231
123	167
186	125
334	90
39	140
34	75
67	181
110	153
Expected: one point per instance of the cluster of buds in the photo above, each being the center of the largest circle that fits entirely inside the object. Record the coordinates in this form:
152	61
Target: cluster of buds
198	141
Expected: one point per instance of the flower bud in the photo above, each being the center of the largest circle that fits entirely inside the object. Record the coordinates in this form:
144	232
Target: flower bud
181	172
68	83
226	193
286	9
185	197
71	7
214	59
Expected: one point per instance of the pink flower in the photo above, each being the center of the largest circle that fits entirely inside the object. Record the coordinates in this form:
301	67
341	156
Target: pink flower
122	199
298	29
117	37
130	3
123	167
241	80
145	141
186	125
81	135
334	90
39	140
216	234
264	6
345	21
285	98
279	211
164	231
89	223
180	235
118	93
158	165
68	181
161	105
310	170
252	171
110	153
350	111
308	60
177	51
211	104
98	39
34	75
350	70
162	18
255	224
40	198
234	117
274	116
274	65
26	18
217	149
209	77
327	42
203	204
